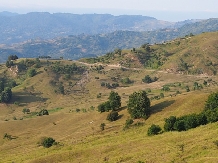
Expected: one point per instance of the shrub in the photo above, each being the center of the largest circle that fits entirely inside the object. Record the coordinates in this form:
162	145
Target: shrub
113	116
154	130
46	142
102	126
169	123
43	112
179	125
212	101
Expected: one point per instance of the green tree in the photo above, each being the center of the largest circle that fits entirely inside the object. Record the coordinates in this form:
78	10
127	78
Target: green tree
147	79
212	101
47	142
154	130
139	105
169	123
113	116
115	100
31	72
102	126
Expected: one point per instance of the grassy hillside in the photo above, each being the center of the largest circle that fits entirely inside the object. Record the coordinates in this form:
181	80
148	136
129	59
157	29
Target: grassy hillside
74	122
186	55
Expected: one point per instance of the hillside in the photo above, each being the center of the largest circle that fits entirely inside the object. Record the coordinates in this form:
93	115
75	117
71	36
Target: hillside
71	92
81	46
186	55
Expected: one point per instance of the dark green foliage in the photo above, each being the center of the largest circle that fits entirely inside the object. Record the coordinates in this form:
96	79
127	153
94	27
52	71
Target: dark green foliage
12	57
179	125
154	130
212	115
161	95
102	126
147	79
128	123
104	107
187	89
31	72
26	110
9	63
113	103
169	123
46	142
126	81
212	101
43	112
61	89
6	95
197	86
165	88
139	105
115	100
113	116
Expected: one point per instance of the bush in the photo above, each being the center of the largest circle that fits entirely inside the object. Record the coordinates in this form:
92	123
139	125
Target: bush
179	125
43	112
154	130
113	116
212	101
31	72
46	142
169	123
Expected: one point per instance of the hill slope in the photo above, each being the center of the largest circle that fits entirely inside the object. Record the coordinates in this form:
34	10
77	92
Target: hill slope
74	121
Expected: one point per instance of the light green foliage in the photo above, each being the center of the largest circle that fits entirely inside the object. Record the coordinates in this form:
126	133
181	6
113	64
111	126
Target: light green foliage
31	72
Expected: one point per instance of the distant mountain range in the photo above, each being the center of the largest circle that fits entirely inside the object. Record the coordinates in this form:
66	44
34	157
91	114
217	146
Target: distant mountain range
77	45
16	28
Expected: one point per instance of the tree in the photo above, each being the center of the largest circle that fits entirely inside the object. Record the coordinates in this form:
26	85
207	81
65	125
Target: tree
102	126
147	79
169	123
113	116
46	142
154	130
31	72
115	100
212	101
139	105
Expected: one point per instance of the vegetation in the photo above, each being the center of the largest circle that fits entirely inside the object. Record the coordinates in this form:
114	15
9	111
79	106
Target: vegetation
154	130
46	142
113	103
139	105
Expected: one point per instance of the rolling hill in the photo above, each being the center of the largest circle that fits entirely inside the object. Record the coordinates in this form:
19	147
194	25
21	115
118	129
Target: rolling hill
81	46
74	121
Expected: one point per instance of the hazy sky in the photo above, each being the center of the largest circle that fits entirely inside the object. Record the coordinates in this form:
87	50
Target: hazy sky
173	10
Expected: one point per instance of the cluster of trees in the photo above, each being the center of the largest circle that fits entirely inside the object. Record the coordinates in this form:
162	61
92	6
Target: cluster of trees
5	93
110	86
126	81
184	123
66	69
10	60
113	103
148	79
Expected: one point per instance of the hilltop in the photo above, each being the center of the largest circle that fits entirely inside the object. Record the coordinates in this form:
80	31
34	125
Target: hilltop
72	90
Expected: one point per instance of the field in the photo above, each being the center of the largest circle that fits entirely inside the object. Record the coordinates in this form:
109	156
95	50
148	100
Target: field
74	121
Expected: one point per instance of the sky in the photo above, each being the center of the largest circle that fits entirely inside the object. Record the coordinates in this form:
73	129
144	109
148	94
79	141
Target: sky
169	10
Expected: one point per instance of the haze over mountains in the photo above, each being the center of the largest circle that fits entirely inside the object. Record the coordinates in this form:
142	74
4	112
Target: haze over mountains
76	36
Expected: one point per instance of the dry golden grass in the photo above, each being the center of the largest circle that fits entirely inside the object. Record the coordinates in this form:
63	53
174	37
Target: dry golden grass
79	134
